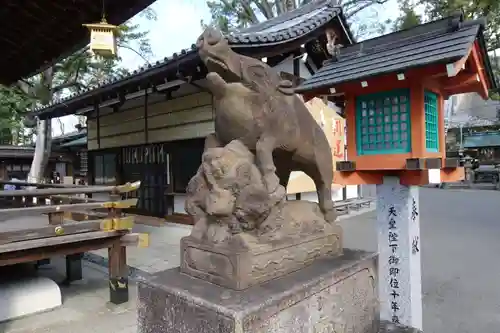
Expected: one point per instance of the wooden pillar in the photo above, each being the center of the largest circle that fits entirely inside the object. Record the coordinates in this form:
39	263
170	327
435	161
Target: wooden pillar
350	117
98	124
146	126
74	267
417	121
56	218
442	134
118	274
117	261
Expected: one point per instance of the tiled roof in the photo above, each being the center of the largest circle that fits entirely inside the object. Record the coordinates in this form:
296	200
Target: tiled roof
287	27
441	41
114	82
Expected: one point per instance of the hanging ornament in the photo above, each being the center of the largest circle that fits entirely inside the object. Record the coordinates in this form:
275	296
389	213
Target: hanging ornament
103	38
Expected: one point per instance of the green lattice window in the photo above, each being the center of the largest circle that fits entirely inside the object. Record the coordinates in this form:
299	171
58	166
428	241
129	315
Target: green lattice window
431	122
383	123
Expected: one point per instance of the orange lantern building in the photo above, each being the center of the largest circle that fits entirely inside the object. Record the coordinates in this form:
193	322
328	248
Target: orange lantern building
394	88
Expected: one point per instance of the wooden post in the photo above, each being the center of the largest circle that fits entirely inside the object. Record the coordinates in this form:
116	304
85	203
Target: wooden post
118	274
74	267
398	225
117	260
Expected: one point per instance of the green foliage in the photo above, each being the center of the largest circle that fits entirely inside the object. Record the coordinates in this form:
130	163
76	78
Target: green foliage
408	17
13	103
236	14
488	9
72	74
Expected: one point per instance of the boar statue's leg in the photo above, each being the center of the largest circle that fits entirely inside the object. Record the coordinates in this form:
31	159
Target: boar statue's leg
264	155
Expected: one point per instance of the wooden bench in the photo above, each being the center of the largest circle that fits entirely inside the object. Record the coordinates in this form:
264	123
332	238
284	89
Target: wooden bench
357	204
69	237
342	208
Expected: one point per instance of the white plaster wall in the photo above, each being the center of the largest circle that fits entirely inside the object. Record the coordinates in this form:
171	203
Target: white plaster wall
313	196
179	200
351	191
287	67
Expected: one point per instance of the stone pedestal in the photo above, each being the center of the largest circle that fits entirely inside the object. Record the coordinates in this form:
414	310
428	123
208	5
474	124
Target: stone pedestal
247	261
331	295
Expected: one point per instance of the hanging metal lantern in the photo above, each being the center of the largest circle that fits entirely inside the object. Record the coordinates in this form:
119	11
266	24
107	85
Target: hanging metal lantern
103	38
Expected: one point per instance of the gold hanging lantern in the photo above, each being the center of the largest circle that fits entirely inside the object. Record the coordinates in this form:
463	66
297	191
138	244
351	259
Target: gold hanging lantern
103	38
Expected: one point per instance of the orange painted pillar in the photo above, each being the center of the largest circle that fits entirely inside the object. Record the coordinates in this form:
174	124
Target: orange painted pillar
350	119
417	113
442	134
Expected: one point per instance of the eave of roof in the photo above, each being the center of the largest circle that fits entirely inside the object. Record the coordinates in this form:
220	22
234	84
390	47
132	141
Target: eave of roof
248	40
75	143
439	41
35	36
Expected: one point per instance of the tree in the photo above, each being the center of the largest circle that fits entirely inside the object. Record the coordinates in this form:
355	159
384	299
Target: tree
13	103
489	9
408	17
237	14
80	70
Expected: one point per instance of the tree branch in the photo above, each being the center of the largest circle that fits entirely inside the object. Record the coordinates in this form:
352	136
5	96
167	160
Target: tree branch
265	8
66	85
248	11
280	8
136	52
354	11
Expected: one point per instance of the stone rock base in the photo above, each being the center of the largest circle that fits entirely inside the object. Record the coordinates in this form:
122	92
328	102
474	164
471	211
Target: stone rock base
331	295
388	327
248	261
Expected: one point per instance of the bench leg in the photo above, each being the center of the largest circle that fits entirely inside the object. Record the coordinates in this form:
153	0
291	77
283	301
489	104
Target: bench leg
42	262
118	274
74	267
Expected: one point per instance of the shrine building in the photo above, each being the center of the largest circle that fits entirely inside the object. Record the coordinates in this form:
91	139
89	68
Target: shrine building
150	125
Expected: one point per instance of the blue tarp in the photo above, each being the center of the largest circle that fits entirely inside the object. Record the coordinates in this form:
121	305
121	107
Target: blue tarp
481	140
78	142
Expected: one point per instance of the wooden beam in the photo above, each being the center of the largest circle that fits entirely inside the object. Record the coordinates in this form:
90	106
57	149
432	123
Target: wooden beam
135	239
48	231
384	82
56	241
41	251
37	210
461	80
477	65
128	187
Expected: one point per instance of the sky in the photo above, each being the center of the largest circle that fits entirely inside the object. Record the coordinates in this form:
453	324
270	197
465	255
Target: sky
178	25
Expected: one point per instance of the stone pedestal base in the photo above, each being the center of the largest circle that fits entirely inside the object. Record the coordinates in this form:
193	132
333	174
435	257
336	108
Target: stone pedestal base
331	295
248	262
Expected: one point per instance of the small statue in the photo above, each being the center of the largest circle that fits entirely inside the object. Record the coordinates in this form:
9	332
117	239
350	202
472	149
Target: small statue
227	195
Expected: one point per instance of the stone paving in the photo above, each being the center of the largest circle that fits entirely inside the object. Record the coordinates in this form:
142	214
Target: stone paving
85	307
164	250
460	278
85	303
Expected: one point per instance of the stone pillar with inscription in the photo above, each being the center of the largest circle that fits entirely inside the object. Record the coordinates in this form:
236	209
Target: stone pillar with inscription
398	226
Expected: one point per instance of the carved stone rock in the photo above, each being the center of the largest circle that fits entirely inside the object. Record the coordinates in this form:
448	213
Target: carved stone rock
244	235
